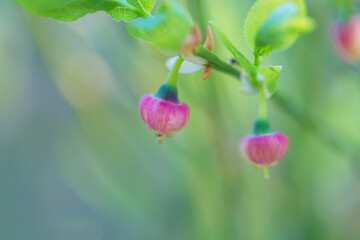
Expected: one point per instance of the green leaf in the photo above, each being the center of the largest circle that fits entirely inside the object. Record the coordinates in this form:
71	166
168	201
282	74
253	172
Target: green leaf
269	76
127	13
258	15
122	13
71	10
168	27
281	29
249	68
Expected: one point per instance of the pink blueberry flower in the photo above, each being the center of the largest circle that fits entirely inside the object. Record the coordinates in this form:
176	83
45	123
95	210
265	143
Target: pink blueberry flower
346	39
264	150
163	115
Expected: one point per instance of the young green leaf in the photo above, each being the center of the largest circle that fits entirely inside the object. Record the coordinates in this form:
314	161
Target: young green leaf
71	10
258	15
269	76
168	27
249	68
129	13
281	29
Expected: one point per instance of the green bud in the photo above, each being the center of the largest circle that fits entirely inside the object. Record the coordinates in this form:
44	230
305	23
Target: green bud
282	28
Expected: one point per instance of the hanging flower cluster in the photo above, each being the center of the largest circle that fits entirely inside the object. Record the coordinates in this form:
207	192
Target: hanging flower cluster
281	25
270	25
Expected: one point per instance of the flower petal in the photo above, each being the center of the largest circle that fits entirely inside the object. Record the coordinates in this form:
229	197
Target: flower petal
186	66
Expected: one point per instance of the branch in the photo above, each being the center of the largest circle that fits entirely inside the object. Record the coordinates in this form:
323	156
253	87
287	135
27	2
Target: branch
216	62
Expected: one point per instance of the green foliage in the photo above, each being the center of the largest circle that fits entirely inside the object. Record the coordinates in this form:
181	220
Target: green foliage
168	27
281	29
259	14
128	14
71	10
249	68
269	76
77	162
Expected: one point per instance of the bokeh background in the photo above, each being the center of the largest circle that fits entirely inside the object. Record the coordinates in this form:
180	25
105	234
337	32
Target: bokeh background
77	162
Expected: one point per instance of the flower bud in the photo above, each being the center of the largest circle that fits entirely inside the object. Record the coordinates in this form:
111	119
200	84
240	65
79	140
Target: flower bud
264	148
346	39
163	112
281	28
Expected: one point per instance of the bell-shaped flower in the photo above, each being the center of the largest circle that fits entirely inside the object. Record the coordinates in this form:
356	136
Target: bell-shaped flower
264	148
163	112
346	39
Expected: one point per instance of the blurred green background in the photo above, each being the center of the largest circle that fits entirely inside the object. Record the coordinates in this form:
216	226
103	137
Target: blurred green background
77	162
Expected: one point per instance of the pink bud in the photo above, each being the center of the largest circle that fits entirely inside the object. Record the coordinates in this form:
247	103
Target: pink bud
163	116
264	150
346	39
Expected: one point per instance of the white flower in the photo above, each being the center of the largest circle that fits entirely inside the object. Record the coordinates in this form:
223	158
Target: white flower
186	66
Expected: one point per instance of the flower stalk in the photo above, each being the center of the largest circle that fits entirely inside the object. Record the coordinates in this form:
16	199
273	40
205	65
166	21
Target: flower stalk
262	114
174	72
290	107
